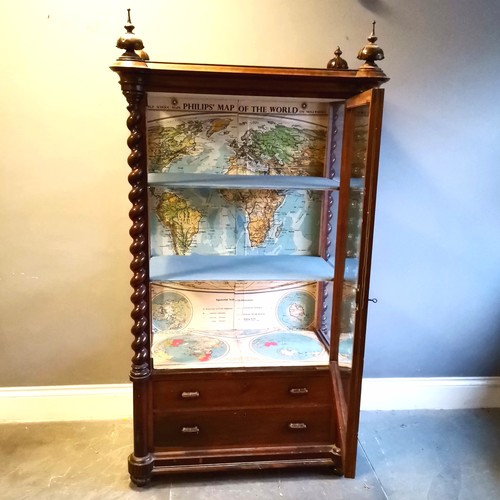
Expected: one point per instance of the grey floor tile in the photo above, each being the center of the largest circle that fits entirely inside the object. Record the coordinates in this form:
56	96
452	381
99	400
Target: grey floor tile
434	455
66	461
311	484
87	460
411	455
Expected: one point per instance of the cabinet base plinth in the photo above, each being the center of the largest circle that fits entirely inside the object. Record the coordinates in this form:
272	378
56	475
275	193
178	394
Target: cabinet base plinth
246	459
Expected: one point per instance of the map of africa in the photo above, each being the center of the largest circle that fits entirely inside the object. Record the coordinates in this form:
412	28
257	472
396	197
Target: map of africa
236	222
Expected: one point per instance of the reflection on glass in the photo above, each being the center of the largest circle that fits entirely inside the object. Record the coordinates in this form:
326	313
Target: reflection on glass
325	292
348	310
359	143
354	218
347	321
345	350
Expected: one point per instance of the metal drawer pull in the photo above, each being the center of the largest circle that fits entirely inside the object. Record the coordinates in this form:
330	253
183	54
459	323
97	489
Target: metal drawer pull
190	395
299	390
191	430
297	426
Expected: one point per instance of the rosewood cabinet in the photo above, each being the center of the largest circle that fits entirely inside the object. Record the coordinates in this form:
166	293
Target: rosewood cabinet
253	198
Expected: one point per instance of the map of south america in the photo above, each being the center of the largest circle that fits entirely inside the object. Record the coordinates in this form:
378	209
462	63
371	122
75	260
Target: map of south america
180	219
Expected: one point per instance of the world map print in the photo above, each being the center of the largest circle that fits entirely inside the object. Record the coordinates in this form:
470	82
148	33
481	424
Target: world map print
196	349
170	310
248	306
296	310
286	139
268	138
234	222
234	323
189	349
291	346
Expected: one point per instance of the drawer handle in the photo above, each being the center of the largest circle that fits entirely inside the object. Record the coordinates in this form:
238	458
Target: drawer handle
299	390
191	430
297	426
190	394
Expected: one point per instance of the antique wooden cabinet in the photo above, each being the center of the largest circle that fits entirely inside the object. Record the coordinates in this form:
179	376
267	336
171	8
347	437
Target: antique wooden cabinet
253	198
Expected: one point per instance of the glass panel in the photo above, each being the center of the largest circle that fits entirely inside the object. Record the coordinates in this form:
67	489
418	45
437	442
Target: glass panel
357	166
360	141
354	220
347	321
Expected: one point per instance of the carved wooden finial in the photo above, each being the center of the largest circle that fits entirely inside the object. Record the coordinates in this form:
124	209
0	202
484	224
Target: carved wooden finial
130	43
371	52
337	62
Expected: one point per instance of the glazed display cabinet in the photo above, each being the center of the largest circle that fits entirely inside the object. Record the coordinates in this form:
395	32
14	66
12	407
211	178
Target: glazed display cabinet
253	199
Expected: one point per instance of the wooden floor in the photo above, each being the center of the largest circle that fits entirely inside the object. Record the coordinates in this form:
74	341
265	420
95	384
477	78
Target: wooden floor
434	455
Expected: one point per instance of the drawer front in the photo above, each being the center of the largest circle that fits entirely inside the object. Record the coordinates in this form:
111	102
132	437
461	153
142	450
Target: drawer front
242	391
269	426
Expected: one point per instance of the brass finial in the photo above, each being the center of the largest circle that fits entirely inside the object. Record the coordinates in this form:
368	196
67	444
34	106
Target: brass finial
371	52
337	62
130	42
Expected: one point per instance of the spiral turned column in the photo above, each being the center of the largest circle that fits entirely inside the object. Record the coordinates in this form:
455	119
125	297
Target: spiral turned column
141	461
138	232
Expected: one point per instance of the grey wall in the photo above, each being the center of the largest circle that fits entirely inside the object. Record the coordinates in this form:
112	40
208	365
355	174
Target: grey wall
437	245
64	308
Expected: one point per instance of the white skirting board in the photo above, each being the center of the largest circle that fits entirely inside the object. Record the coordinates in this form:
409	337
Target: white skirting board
66	402
114	401
439	393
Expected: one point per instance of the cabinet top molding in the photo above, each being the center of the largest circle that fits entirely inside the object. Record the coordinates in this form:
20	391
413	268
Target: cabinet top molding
331	82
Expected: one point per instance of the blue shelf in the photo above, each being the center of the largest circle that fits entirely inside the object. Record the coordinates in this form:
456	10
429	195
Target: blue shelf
242	181
240	268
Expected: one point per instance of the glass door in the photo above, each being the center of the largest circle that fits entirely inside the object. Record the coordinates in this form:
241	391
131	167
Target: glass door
358	180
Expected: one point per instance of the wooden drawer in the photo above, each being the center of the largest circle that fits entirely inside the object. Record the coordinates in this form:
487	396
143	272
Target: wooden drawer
242	390
268	426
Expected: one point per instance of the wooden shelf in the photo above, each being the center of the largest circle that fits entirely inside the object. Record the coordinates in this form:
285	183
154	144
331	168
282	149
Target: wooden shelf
247	268
240	268
241	181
